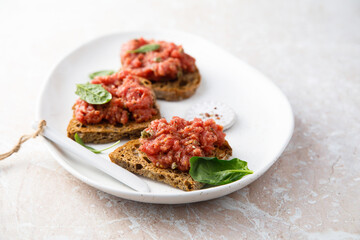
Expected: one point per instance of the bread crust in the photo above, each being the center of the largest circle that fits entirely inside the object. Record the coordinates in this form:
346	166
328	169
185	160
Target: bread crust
131	158
181	88
105	132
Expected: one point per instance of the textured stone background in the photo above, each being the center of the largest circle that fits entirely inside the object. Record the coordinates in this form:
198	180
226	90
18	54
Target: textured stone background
310	49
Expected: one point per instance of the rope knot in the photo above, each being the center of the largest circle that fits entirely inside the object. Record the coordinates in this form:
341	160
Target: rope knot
23	139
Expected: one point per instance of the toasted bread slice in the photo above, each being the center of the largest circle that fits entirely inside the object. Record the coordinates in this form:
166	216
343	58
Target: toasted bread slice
181	88
131	158
105	132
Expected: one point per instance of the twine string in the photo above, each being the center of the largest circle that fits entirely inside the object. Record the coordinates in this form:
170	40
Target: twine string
23	139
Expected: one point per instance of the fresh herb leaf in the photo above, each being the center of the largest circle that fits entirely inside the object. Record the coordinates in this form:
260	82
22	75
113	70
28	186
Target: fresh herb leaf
214	171
157	59
93	93
146	48
101	73
80	141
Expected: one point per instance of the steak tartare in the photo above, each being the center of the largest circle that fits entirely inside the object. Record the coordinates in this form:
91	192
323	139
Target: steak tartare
172	144
131	100
167	62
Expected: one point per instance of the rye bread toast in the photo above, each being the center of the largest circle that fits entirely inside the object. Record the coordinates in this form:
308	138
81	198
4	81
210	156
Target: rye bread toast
105	132
181	88
131	158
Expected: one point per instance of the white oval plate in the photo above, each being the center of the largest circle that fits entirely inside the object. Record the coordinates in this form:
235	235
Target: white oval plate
263	128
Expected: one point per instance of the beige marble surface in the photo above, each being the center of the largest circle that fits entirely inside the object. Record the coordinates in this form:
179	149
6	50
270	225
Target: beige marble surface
310	49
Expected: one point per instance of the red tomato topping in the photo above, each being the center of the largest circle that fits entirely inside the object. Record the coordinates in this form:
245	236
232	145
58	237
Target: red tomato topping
130	101
172	144
164	63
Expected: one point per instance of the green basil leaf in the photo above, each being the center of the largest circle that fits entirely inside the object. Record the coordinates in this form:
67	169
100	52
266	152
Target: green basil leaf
214	171
80	141
113	145
101	73
93	93
146	48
